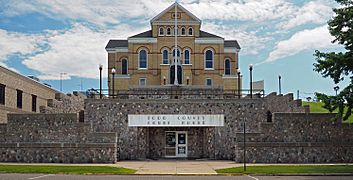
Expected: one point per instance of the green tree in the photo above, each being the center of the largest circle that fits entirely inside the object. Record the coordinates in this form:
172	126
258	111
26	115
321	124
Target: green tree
339	66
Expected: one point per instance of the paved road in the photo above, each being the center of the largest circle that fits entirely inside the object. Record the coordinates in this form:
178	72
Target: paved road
134	177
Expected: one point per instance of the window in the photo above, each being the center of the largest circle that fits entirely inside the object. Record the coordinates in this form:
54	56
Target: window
124	66
2	94
187	56
190	31
208	82
209	59
169	31
143	59
178	53
165	57
227	67
142	82
19	98
161	31
34	103
183	31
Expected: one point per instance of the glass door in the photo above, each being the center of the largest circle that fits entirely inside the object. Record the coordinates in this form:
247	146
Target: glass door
181	144
170	144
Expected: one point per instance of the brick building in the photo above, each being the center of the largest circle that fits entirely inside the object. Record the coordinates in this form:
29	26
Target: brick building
148	58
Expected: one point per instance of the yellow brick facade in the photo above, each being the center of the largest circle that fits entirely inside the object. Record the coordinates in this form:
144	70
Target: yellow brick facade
13	82
157	73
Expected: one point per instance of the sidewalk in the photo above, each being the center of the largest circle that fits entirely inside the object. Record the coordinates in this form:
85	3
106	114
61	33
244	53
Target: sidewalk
201	167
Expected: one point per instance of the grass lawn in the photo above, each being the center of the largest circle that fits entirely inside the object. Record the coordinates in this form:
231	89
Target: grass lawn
285	169
64	169
316	107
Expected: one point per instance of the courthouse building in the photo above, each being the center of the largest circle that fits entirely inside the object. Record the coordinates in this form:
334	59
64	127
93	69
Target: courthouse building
147	59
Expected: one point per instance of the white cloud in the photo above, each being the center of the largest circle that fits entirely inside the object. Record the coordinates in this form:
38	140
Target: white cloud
250	42
77	51
317	12
308	39
18	43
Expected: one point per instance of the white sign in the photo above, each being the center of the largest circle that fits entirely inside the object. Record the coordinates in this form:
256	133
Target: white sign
175	120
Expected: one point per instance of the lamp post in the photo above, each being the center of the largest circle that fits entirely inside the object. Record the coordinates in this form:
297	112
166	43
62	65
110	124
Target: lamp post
336	88
113	74
244	145
279	84
61	80
100	80
239	83
250	69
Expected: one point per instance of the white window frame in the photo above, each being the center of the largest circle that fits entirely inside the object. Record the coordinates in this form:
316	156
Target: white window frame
159	31
146	59
230	66
145	79
170	31
165	49
183	28
127	66
210	80
192	31
187	49
212	59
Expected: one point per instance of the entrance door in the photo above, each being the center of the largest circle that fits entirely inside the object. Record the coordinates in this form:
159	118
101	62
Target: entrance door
176	144
172	74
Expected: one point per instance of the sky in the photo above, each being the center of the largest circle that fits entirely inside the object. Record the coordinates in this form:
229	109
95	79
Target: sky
65	39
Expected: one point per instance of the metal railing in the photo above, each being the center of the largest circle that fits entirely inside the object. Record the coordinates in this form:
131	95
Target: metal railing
173	92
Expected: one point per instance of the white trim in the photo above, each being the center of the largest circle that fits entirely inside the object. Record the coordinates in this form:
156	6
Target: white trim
189	55
117	49
187	64
139	59
231	50
159	31
192	29
121	76
170	30
172	6
127	66
142	79
142	40
164	64
209	41
204	59
181	31
224	66
167	55
230	76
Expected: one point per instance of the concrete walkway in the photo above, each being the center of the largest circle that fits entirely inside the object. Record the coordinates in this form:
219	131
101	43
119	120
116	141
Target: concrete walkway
177	166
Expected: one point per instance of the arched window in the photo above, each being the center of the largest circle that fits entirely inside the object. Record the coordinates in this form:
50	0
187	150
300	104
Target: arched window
142	59
187	56
161	31
165	56
178	53
124	66
209	59
190	31
183	31
169	31
227	67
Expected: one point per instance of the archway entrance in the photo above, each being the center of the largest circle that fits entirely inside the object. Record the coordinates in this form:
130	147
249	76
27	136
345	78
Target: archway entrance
172	74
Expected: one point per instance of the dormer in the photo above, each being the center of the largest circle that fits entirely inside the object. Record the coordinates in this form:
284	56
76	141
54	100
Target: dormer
163	24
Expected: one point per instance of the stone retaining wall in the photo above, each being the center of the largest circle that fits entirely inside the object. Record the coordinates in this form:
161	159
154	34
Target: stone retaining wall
70	103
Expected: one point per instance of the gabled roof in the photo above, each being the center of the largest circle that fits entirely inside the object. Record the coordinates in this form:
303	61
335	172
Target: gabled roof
143	34
204	34
173	6
116	43
232	43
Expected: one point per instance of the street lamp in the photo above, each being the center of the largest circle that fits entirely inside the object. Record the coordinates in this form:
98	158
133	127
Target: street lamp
100	80
239	83
336	88
250	69
61	80
279	84
113	74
